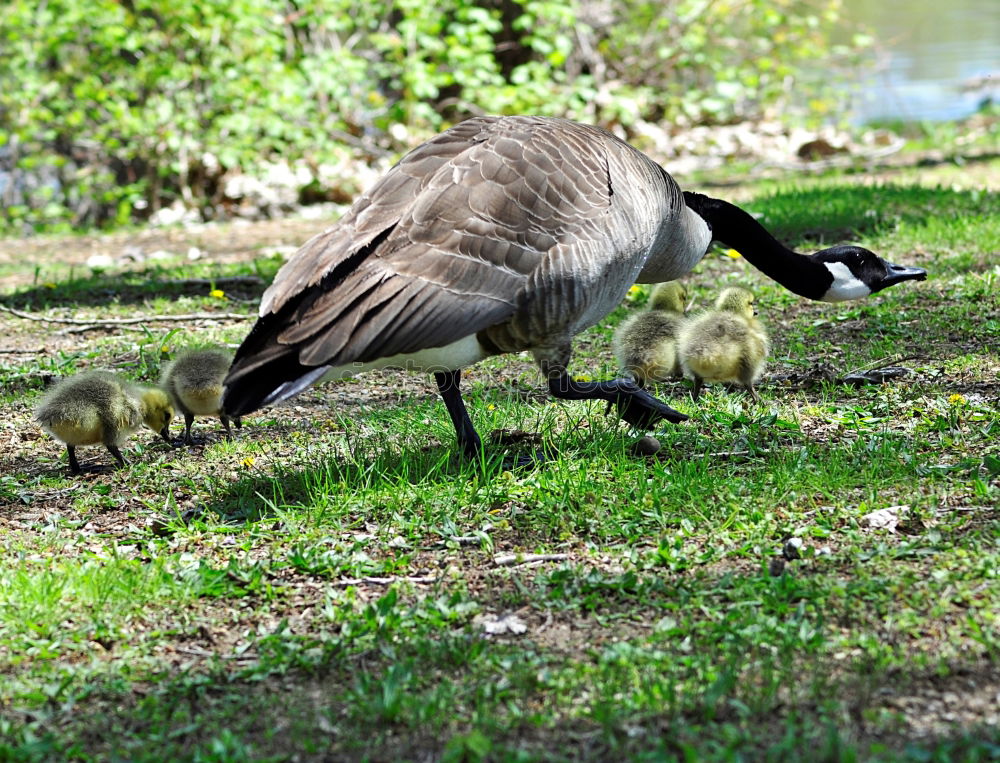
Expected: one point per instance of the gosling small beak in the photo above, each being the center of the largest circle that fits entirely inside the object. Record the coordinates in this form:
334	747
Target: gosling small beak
165	434
899	273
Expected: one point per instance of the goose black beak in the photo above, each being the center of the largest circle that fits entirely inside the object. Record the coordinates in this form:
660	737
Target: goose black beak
165	434
899	273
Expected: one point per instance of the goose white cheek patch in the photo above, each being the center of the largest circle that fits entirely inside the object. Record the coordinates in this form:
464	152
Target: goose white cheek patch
845	284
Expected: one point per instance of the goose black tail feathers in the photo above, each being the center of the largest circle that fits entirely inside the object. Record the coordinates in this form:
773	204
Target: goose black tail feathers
264	372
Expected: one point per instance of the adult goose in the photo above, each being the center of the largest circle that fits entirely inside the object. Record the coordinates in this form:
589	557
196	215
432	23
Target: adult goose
504	234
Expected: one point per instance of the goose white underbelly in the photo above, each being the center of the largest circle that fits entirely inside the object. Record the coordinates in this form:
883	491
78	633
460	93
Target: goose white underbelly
450	357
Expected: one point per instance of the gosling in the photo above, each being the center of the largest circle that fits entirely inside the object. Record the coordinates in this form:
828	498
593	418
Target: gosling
98	407
194	383
726	344
645	345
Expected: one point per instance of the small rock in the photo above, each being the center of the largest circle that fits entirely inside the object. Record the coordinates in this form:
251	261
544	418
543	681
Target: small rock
819	149
499	625
100	261
283	251
193	253
776	566
646	446
885	519
792	549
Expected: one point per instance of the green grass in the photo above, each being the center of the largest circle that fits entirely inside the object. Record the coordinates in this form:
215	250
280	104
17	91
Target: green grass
321	586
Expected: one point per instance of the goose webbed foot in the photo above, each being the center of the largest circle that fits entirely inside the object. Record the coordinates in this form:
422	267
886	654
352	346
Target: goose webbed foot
634	404
512	463
469	442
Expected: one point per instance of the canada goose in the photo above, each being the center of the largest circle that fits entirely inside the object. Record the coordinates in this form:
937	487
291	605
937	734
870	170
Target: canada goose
504	234
99	407
726	344
646	344
193	380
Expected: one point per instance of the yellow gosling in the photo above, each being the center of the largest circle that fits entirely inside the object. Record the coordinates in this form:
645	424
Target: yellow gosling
645	345
194	383
726	344
100	408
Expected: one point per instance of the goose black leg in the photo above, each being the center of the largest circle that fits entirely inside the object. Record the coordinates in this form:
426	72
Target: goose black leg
635	406
468	439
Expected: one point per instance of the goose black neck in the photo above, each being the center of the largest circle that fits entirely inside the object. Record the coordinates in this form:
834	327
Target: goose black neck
735	228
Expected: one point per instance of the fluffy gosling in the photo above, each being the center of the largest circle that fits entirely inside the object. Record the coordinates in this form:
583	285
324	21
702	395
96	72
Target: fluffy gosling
726	344
645	345
98	407
194	383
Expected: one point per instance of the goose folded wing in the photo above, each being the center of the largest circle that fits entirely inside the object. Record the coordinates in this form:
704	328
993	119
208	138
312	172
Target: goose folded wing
440	249
374	214
451	267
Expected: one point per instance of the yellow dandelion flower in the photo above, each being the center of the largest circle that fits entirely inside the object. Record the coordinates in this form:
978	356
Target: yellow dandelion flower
248	461
733	253
634	289
491	407
582	378
164	349
217	293
956	399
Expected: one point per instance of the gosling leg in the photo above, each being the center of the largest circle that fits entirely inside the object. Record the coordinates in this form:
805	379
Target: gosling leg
696	391
74	465
113	450
188	421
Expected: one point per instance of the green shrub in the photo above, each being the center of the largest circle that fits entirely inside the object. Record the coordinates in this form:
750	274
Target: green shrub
111	109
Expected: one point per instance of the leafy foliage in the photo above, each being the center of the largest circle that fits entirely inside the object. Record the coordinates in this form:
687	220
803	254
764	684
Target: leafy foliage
110	110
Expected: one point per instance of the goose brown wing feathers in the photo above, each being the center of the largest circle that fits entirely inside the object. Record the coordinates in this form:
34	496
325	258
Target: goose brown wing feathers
443	246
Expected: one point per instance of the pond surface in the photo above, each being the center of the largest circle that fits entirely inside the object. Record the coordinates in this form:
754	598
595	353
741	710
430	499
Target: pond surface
930	54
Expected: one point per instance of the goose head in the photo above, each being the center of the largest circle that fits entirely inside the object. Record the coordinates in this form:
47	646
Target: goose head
831	275
856	272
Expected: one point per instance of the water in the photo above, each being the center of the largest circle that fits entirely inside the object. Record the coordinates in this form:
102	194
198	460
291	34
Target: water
927	51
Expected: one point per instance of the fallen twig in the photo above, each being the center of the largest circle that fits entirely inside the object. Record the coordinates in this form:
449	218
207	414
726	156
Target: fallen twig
738	453
100	322
198	652
94	327
512	560
418	579
894	359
